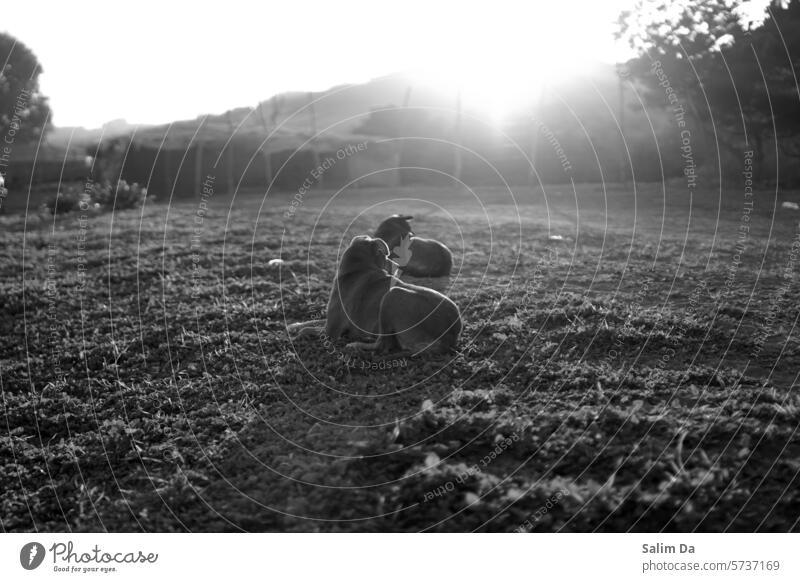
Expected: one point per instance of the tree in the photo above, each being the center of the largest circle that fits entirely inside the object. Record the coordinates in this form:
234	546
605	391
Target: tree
24	111
729	63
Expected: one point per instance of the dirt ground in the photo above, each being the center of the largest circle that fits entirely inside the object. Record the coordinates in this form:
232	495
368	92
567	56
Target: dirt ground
629	361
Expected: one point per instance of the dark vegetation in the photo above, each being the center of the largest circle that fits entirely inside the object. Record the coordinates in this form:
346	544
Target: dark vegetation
733	72
638	374
95	197
24	111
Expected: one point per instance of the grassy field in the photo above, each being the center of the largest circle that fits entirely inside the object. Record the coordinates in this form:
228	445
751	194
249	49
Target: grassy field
628	362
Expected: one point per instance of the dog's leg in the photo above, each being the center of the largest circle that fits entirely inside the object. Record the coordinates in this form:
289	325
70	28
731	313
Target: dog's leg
370	346
387	341
304	328
310	331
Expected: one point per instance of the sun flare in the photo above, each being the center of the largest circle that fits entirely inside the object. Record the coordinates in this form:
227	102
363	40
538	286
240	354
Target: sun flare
508	59
497	56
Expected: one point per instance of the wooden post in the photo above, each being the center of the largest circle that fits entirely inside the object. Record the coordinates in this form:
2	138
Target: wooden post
264	150
167	178
534	145
407	96
229	158
314	152
276	104
198	168
621	113
533	152
402	144
457	161
312	113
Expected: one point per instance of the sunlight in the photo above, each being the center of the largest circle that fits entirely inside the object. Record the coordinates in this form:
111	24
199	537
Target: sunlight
511	57
499	55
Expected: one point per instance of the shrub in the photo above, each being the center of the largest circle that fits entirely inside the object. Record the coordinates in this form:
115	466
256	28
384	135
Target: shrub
66	200
103	196
123	197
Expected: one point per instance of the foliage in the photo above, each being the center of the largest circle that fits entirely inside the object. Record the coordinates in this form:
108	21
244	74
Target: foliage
96	196
732	65
686	28
122	197
23	109
67	199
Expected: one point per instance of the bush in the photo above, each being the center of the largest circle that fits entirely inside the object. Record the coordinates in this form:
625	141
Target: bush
99	196
67	200
123	197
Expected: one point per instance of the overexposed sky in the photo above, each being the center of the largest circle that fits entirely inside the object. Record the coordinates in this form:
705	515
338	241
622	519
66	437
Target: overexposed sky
159	61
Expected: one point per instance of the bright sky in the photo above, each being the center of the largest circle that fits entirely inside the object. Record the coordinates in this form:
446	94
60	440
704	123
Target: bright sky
158	61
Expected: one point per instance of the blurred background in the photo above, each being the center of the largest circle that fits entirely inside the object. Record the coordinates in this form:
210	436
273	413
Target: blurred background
540	93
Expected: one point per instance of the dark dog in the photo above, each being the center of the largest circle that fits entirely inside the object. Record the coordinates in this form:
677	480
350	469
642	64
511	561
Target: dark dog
429	258
366	301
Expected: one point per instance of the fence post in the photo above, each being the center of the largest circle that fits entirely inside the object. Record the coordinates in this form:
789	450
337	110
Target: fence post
313	120
534	145
167	177
457	162
264	151
198	168
229	157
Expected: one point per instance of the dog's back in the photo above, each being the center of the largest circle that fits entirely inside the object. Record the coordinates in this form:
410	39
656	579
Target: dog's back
360	284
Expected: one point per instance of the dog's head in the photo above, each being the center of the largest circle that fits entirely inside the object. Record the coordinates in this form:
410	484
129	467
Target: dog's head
393	229
364	253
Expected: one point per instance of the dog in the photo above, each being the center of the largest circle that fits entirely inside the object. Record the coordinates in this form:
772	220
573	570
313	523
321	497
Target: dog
366	301
430	258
